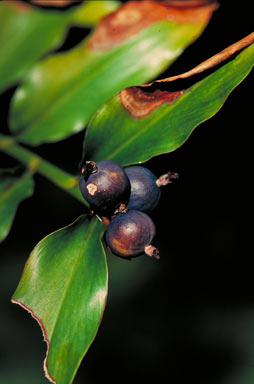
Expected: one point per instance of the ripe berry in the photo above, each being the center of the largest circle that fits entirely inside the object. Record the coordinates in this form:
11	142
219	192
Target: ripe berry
130	234
145	187
145	194
104	185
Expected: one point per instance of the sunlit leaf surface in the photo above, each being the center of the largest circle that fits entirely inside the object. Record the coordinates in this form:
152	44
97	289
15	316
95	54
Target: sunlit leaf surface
129	47
27	33
141	122
64	287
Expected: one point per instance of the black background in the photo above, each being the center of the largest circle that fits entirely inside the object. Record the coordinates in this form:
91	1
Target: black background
189	316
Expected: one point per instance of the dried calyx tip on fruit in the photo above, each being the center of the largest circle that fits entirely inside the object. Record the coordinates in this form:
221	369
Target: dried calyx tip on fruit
166	179
151	251
90	167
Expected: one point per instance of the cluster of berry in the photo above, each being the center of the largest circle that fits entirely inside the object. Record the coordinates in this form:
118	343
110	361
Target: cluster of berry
121	196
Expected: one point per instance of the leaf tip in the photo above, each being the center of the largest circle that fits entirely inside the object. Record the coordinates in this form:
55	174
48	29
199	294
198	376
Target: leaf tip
45	338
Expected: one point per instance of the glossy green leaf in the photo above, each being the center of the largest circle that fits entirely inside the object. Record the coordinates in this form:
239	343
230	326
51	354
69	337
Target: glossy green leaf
64	287
62	93
27	33
115	134
13	190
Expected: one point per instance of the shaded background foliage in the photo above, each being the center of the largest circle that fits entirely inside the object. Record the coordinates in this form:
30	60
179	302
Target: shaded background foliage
188	316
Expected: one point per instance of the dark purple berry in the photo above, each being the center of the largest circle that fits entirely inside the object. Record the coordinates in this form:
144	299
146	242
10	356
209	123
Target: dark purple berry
130	234
145	194
145	187
104	185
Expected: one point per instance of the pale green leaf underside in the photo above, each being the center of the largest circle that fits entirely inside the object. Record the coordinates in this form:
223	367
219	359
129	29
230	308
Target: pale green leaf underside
62	93
64	286
13	190
114	134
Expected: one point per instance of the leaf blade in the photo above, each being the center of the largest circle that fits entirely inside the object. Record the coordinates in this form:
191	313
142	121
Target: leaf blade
65	290
166	127
13	190
55	102
23	26
90	12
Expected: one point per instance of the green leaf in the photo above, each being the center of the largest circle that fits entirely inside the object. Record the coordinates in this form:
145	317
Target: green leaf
13	190
62	93
64	287
27	33
91	11
141	122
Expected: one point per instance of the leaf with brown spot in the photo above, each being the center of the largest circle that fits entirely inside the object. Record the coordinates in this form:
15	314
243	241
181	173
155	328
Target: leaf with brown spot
141	122
130	46
134	16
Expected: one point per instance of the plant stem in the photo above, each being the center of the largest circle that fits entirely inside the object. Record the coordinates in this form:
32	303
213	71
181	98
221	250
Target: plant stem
36	164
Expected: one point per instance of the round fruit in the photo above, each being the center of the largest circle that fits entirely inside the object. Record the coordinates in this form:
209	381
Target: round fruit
145	194
130	234
104	185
